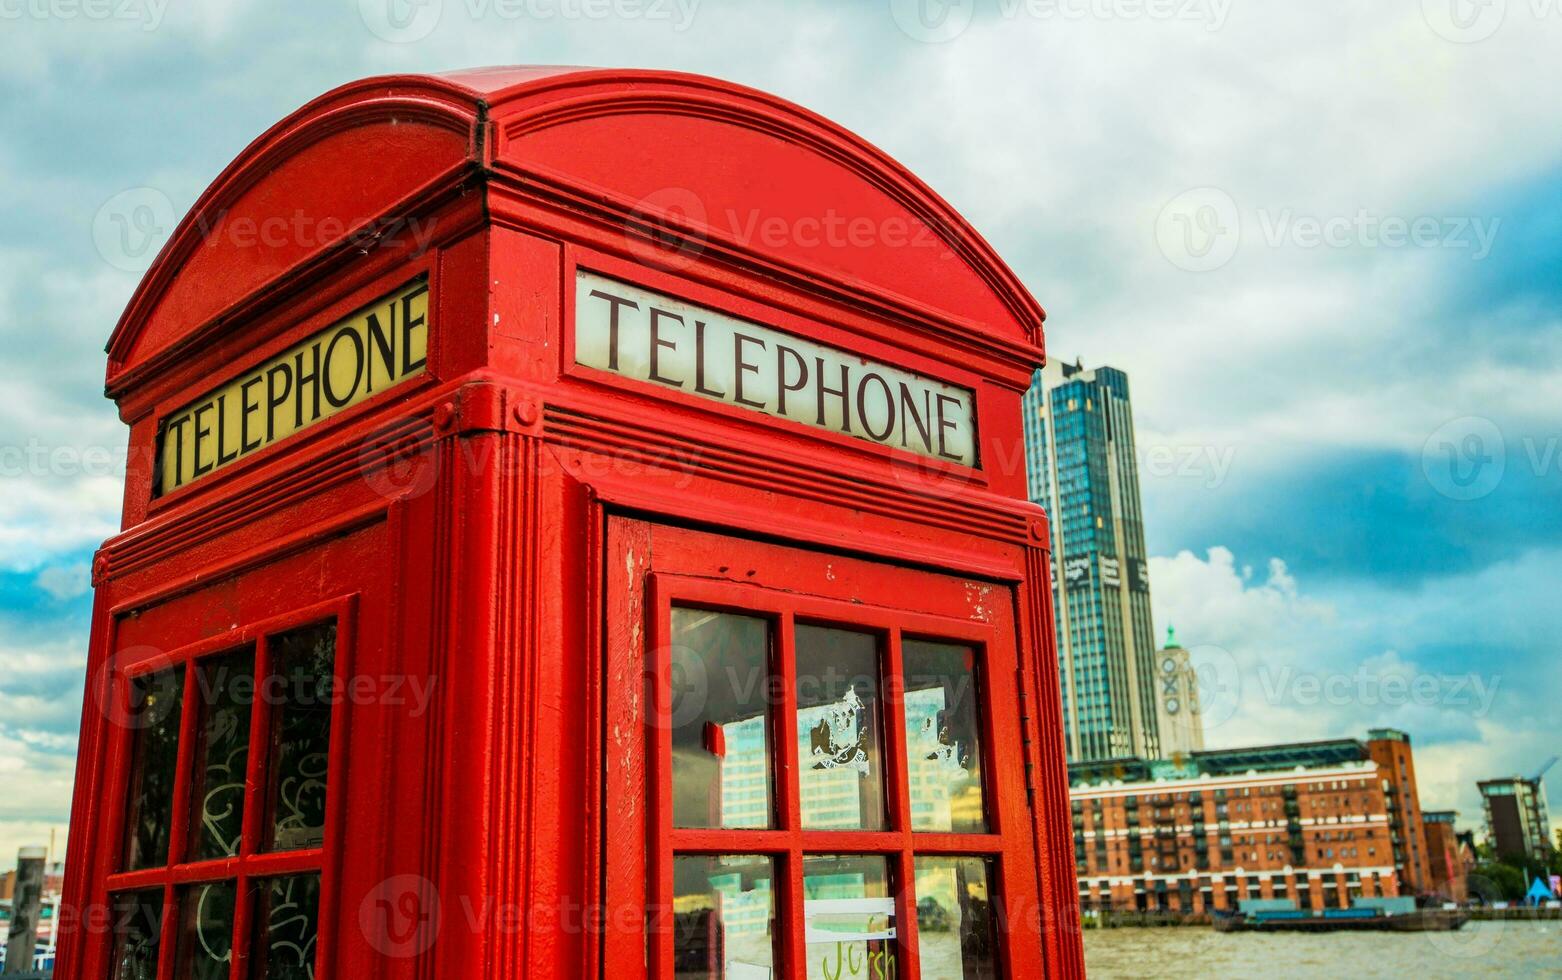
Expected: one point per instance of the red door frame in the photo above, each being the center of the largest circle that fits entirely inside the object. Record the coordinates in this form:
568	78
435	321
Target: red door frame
652	567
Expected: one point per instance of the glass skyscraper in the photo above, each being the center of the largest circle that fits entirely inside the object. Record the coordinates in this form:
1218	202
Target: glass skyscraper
1081	466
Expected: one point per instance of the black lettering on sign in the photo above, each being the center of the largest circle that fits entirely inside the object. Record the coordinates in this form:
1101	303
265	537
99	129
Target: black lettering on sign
657	343
862	406
741	367
783	386
375	349
642	335
843	393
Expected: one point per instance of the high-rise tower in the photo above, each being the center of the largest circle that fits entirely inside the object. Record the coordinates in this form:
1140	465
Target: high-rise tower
1081	466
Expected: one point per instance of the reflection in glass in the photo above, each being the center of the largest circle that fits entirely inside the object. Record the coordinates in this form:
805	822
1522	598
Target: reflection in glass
839	744
286	912
227	690
943	747
723	916
206	931
849	917
303	685
956	921
720	723
155	709
138	927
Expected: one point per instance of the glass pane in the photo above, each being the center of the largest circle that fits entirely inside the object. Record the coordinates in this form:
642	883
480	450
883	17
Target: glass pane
839	743
724	915
138	928
227	689
956	921
287	927
849	917
156	701
721	683
300	689
206	931
944	764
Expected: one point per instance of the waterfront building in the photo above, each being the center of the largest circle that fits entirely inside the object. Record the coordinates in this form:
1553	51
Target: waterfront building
1081	466
1444	858
1517	820
1390	748
1178	714
1309	822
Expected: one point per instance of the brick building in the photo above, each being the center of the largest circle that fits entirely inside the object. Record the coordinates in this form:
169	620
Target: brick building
1445	858
1312	822
1390	749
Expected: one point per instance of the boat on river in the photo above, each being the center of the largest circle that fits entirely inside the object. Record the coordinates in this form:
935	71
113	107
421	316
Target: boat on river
1337	920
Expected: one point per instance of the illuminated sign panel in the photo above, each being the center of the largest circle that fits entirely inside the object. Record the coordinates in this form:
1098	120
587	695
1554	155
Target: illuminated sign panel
658	339
375	349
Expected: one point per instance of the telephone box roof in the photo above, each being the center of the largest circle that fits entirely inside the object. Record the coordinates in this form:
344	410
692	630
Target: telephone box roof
694	158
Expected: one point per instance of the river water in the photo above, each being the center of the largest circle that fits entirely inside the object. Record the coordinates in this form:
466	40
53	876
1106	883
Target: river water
1496	949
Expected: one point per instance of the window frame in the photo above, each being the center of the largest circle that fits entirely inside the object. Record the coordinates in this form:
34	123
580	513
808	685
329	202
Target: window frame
251	863
1007	843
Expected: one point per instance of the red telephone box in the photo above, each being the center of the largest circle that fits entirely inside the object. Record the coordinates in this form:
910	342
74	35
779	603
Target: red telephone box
575	527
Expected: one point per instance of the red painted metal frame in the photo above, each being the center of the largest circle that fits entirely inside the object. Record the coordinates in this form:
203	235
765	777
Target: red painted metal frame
876	601
468	511
251	862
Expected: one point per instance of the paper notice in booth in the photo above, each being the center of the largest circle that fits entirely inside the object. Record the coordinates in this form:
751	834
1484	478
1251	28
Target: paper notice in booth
830	920
850	937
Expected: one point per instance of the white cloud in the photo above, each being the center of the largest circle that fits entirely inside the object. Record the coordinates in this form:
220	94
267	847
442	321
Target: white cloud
38	798
41	681
65	581
1280	662
1064	139
62	450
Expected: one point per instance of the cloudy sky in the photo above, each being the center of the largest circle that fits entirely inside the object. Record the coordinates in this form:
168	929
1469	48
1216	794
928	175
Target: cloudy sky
1323	239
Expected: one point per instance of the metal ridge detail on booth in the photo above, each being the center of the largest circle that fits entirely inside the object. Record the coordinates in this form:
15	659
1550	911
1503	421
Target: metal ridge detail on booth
447	103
